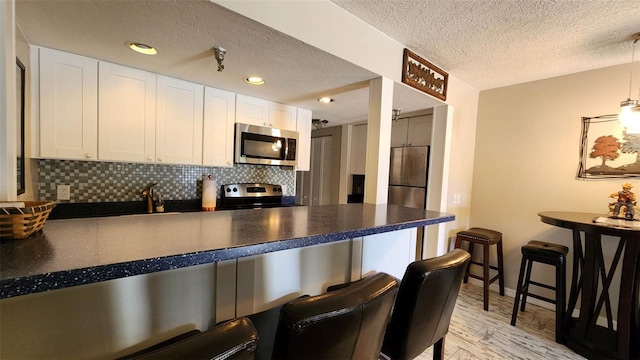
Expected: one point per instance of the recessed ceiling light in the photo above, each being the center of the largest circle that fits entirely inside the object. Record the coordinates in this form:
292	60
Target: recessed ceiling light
325	100
254	80
142	48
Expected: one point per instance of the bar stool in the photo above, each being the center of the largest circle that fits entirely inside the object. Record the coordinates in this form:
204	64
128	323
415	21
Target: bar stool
550	254
486	238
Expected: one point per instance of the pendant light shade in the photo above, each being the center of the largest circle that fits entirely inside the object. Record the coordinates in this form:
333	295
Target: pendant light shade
629	115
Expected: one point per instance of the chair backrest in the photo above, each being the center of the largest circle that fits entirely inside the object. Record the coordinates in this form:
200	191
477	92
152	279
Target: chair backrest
348	323
235	339
425	303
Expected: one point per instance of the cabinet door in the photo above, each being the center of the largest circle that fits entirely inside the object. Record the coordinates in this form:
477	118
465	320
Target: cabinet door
127	113
68	106
179	114
399	132
219	117
282	116
303	127
250	110
419	131
358	149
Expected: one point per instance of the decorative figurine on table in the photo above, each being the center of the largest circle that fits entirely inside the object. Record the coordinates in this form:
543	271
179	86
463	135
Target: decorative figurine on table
625	200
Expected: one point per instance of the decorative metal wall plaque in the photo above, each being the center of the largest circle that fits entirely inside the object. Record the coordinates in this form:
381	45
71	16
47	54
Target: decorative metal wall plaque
424	76
606	150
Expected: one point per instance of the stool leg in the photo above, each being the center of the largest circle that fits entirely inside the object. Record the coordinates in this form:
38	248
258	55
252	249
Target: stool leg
500	267
525	287
466	273
438	349
560	300
485	266
514	314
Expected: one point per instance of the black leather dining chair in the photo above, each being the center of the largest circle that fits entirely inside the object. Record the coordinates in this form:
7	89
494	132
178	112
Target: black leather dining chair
234	339
344	324
425	303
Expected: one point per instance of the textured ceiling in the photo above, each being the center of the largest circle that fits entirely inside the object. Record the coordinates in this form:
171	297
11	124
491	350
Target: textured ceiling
486	43
494	43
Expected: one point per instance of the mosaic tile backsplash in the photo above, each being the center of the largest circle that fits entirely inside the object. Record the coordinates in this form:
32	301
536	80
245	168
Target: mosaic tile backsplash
106	181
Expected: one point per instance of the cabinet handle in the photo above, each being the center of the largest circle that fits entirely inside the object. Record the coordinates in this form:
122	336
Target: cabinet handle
149	158
229	163
88	155
409	144
159	159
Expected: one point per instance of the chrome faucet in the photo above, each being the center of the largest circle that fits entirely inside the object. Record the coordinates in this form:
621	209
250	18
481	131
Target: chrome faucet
148	192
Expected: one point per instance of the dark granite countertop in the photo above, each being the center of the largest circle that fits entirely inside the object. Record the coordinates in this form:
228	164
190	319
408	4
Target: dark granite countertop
73	252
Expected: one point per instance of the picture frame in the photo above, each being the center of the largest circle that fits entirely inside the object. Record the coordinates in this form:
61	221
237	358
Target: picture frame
607	150
20	153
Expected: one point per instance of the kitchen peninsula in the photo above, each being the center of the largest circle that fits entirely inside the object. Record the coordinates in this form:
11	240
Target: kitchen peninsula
119	284
82	251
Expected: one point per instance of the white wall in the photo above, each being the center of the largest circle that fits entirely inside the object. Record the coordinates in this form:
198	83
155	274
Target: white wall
526	158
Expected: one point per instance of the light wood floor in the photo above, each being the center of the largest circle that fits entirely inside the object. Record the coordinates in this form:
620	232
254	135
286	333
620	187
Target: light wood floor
478	334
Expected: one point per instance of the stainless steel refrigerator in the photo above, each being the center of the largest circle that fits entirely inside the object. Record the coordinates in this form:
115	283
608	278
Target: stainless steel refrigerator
408	182
408	176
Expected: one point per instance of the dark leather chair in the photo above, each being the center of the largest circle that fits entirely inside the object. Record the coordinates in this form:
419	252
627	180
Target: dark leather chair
234	339
424	306
348	323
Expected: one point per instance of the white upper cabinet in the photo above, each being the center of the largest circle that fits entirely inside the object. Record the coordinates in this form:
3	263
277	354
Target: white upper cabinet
250	110
219	119
399	132
282	116
127	112
303	127
358	149
68	106
179	117
415	131
260	112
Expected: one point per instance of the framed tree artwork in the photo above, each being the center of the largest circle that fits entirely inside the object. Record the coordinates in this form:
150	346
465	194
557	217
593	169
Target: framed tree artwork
607	150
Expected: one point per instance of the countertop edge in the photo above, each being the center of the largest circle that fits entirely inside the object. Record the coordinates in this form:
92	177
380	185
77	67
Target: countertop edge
62	279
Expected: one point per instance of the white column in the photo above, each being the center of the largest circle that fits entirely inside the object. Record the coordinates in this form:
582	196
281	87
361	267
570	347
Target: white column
8	119
378	141
441	137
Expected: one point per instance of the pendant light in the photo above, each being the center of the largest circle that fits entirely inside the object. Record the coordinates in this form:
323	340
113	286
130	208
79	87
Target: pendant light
629	115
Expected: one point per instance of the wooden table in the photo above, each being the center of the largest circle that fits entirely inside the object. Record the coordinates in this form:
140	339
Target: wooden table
591	281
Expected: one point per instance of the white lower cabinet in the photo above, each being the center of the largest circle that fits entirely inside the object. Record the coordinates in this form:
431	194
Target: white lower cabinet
68	106
275	278
127	113
389	252
219	119
179	118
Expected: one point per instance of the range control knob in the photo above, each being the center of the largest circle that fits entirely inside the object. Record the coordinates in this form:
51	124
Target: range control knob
235	189
275	189
228	189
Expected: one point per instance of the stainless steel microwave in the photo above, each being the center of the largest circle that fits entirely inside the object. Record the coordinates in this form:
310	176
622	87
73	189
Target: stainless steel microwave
265	145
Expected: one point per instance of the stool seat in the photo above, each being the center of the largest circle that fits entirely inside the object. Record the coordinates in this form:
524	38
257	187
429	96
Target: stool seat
477	233
553	253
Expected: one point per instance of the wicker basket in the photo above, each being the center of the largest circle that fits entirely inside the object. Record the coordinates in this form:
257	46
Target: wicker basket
19	223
